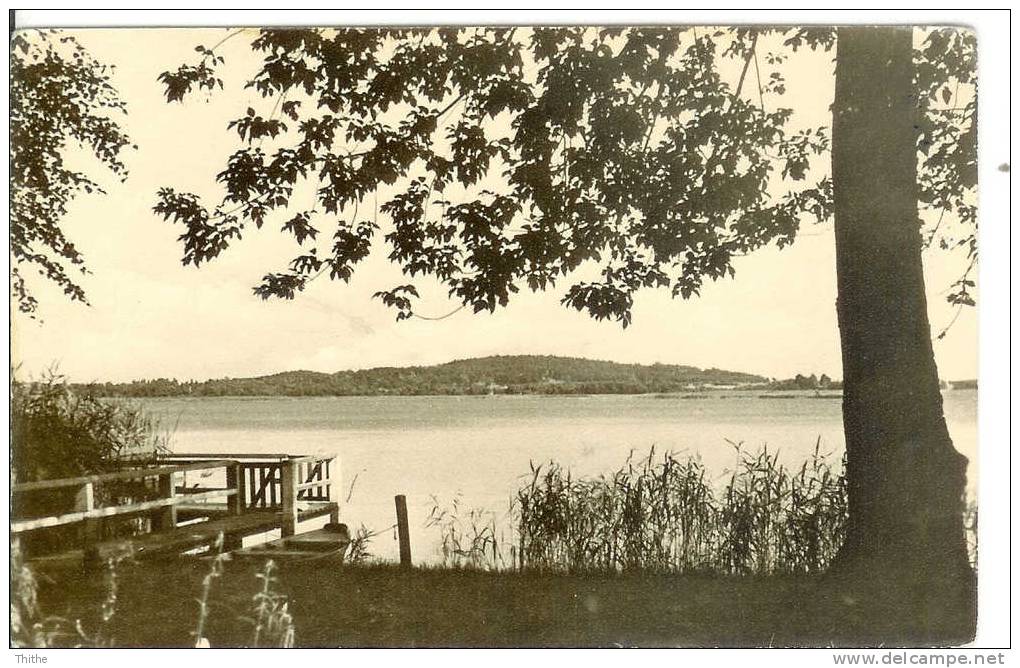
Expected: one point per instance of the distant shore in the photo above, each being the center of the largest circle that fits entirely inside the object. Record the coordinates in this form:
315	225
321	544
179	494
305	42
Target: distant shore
714	393
497	375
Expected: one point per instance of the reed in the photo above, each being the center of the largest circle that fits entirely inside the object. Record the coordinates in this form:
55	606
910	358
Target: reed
29	627
471	540
654	514
274	625
103	637
215	571
772	520
662	513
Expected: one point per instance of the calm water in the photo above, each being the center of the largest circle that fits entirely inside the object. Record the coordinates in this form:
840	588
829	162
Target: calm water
480	447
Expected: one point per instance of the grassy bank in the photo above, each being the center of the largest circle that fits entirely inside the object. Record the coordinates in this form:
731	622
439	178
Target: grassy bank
653	554
381	606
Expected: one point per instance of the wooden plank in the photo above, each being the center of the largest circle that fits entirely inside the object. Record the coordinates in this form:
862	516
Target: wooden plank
85	501
243	457
260	496
288	490
193	511
335	491
86	498
110	511
167	518
270	485
235	480
252	488
305	459
116	475
307	510
202	533
188	537
281	554
309	545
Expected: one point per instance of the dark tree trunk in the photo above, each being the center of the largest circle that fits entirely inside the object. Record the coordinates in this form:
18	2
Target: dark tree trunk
906	480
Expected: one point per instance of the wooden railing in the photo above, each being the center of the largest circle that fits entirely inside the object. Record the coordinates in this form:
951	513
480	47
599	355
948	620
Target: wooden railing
162	509
279	481
250	483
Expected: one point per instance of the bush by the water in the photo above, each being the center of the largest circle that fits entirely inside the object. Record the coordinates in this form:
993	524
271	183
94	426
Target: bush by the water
60	432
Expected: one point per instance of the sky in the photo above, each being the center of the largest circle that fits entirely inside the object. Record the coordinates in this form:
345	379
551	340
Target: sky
151	317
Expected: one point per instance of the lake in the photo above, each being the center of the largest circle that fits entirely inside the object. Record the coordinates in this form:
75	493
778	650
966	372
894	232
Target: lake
479	447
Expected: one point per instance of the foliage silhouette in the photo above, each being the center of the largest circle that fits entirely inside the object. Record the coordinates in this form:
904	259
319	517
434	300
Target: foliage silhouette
60	97
628	150
621	147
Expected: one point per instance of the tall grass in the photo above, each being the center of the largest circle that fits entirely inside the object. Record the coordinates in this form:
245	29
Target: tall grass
773	520
662	513
970	524
274	625
471	540
30	627
652	514
272	622
59	432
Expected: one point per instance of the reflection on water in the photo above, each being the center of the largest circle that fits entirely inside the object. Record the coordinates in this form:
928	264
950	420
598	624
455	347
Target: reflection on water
481	447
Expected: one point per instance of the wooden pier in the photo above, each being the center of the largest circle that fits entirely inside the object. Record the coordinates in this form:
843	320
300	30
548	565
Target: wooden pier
187	501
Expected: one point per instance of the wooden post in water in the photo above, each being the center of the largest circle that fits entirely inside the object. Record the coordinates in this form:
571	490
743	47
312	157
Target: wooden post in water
403	534
289	483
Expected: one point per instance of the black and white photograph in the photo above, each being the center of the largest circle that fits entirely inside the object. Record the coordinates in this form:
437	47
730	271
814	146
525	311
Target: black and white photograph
522	330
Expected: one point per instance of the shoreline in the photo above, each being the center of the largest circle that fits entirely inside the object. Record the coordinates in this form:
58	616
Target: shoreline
739	393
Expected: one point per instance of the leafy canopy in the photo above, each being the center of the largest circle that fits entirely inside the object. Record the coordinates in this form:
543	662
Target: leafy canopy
60	97
946	77
514	157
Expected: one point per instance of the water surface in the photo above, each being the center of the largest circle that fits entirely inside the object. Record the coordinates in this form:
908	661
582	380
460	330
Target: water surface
479	448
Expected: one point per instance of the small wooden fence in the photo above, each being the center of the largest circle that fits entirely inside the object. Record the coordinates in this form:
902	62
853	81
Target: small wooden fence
275	481
284	489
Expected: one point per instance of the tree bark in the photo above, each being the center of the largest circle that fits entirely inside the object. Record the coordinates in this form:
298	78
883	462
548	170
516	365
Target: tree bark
906	481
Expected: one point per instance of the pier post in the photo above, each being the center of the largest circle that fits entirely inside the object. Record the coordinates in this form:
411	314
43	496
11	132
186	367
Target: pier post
166	518
403	534
86	501
91	528
289	484
334	479
235	481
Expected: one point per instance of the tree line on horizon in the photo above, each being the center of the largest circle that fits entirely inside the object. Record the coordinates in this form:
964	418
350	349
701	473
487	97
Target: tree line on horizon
489	375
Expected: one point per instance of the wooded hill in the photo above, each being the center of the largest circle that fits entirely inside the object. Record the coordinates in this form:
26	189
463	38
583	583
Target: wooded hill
521	374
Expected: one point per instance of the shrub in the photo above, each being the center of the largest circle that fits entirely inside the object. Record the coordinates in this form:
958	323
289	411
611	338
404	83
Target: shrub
59	432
